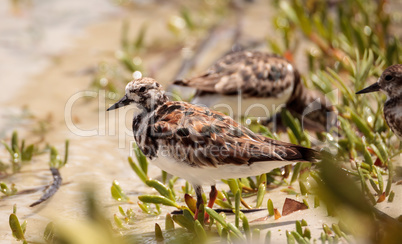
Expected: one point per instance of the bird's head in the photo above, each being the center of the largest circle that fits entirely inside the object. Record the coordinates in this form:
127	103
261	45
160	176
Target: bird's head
145	93
389	82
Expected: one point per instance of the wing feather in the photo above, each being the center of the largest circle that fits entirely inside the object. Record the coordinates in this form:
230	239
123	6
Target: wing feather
208	138
253	73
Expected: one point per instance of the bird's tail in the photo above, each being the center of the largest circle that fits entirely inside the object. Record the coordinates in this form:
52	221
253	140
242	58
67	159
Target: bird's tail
310	155
180	83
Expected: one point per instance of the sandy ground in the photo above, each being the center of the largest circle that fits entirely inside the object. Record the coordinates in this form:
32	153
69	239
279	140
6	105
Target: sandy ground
101	156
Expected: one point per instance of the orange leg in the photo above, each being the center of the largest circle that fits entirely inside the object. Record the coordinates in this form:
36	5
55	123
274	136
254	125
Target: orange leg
212	197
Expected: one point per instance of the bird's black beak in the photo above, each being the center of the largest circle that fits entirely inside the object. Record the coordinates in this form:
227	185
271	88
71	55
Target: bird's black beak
123	102
373	88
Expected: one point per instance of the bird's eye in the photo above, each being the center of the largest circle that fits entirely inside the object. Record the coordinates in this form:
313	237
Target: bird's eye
142	89
388	77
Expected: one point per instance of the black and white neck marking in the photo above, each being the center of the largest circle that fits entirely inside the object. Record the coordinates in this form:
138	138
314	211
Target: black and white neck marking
390	83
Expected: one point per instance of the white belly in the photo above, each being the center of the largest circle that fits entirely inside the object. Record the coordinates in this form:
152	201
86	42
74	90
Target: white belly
209	175
236	106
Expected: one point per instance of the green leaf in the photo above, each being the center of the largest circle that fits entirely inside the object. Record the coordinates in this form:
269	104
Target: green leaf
227	197
24	226
117	192
158	233
270	207
307	233
337	230
48	234
268	237
326	229
246	227
127	62
274	46
142	160
122	211
54	158
299	238
161	188
367	156
158	200
16	227
186	220
66	146
10	151
289	11
374	185
290	238
4	188
262	179
223	204
164	176
256	235
237	208
380	180
377	152
137	170
324	237
216	216
144	207
296	172
293	124
14	142
201	213
289	191
118	222
260	194
382	149
169	224
139	41
233	185
390	178
251	183
306	203
299	227
316	202
28	152
199	230
391	196
362	125
365	187
185	14
303	188
235	230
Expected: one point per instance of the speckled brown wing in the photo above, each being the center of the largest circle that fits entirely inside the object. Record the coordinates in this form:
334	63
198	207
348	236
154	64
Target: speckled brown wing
253	73
201	137
392	107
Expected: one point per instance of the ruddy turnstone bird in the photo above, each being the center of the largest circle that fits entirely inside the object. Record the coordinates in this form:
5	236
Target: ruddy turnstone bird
390	82
258	84
200	145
